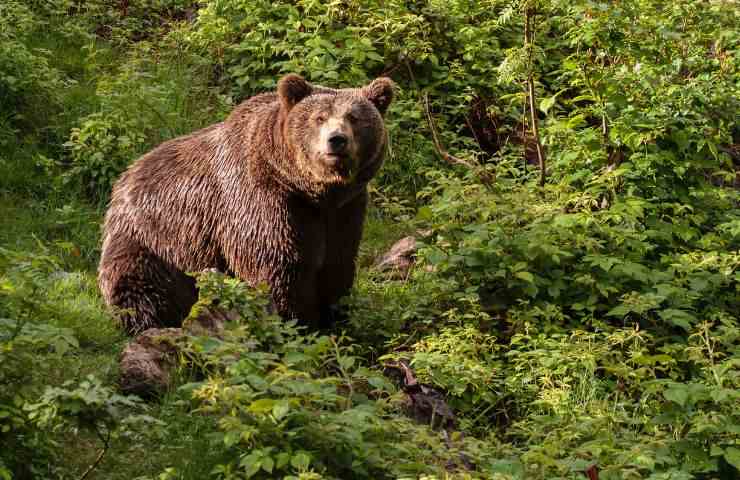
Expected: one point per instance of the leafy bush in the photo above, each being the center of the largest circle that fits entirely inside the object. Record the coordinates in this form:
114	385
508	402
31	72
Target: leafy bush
650	291
299	405
29	85
46	318
25	345
28	449
100	150
431	48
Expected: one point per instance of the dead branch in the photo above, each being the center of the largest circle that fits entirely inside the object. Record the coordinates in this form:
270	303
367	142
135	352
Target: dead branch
484	177
472	130
106	444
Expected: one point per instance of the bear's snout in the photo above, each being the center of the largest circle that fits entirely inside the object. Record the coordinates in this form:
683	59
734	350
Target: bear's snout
335	147
338	143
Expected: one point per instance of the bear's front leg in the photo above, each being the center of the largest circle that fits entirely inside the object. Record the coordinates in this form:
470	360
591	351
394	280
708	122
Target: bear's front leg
293	281
338	272
295	295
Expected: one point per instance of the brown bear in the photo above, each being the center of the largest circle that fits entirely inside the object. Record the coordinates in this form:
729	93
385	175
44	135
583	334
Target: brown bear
276	193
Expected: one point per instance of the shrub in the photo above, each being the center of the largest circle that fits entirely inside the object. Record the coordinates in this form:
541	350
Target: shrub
100	150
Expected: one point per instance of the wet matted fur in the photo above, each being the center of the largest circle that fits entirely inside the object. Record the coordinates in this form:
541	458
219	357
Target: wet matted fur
276	193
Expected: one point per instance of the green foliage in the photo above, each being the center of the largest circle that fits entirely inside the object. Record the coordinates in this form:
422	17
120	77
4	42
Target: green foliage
36	313
139	106
100	150
90	405
27	448
587	326
656	90
542	268
434	46
295	405
27	80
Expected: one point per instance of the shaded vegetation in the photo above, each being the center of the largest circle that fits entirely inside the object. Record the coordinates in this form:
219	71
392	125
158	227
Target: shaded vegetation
585	328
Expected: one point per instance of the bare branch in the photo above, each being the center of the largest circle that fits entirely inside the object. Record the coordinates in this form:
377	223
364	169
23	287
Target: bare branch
484	177
529	16
106	443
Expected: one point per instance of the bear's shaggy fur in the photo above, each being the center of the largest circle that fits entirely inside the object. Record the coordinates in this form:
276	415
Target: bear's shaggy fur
276	193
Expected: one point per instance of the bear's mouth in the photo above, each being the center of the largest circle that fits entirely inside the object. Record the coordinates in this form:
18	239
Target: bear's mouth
335	157
339	164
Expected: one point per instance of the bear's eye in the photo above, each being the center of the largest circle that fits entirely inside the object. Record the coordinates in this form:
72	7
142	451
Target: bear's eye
321	118
352	117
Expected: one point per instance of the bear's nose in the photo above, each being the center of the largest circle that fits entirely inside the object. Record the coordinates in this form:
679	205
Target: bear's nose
337	142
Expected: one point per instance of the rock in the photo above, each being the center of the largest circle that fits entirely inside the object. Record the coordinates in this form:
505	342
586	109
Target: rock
210	321
399	259
147	362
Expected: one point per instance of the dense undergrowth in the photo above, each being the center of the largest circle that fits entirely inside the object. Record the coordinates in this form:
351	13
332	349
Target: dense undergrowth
587	328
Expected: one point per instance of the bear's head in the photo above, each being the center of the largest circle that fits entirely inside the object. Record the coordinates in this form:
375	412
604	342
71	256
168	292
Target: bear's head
336	136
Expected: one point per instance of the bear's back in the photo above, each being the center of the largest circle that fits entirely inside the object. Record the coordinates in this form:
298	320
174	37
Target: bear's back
168	199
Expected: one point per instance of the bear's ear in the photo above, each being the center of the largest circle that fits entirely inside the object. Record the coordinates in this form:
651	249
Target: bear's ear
380	93
292	89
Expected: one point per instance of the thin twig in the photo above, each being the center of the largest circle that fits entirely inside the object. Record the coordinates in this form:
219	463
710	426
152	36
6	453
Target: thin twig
529	15
106	444
411	74
536	132
446	156
472	130
524	134
484	176
387	72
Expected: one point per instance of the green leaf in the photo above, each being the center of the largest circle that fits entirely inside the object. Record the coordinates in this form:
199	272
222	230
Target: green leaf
251	464
619	311
644	461
677	317
526	276
547	103
576	121
584	98
300	461
346	363
231	438
732	455
677	394
263	405
380	383
268	464
281	409
424	213
435	256
282	459
713	148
